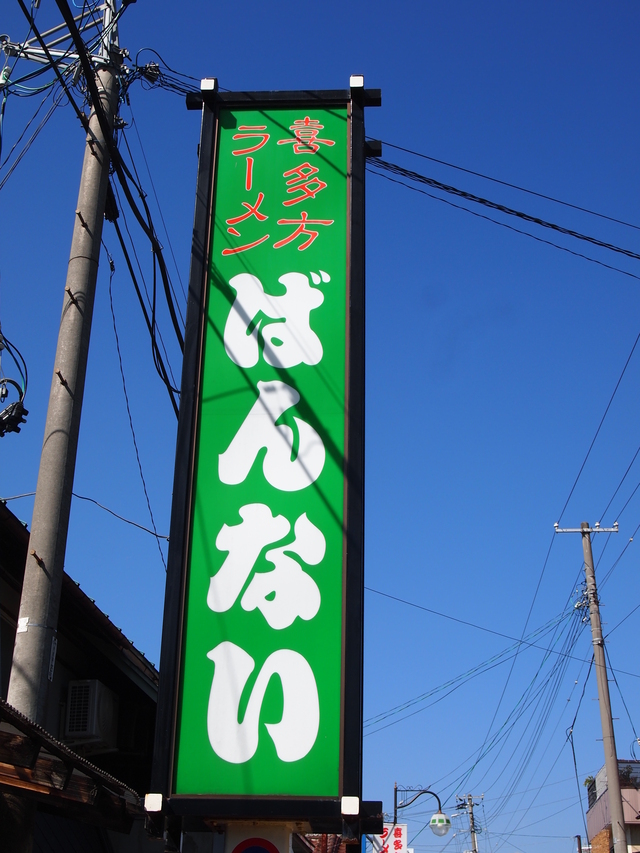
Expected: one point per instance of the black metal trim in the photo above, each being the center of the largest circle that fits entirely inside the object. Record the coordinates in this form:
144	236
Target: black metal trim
354	473
324	814
171	648
369	98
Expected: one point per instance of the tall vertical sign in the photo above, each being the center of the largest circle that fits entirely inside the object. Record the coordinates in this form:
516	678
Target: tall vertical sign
261	669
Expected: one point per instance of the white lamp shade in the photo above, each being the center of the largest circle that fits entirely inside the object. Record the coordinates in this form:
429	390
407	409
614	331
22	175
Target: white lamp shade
440	824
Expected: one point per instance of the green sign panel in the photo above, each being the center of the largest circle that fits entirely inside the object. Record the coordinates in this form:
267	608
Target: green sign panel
261	678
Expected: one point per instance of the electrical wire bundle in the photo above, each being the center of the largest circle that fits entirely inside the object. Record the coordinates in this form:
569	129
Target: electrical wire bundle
13	415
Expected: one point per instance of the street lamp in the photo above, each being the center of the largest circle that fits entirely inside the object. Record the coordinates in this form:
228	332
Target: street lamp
439	824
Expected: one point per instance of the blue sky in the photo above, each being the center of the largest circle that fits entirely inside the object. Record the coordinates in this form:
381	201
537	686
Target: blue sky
491	359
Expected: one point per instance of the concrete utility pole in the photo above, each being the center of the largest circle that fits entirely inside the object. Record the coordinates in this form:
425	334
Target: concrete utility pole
472	825
608	739
35	645
468	804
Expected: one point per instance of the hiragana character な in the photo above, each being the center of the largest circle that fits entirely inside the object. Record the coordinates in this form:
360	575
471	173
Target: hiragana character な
301	229
246	133
259	430
287	342
296	732
301	181
286	592
252	210
306	139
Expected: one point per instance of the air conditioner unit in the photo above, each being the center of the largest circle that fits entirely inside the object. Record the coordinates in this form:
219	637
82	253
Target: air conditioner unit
92	716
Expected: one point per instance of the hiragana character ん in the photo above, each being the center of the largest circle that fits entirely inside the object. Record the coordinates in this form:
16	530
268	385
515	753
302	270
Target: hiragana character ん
258	430
289	340
306	139
303	182
301	229
252	210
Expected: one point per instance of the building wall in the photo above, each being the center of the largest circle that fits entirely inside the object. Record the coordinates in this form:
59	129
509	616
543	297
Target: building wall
602	842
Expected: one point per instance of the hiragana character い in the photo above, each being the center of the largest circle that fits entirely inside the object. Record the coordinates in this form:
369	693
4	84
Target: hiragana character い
301	180
306	139
252	210
301	229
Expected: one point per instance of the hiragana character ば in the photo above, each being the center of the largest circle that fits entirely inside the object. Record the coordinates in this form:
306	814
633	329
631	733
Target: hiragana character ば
259	430
301	229
303	182
293	735
282	594
287	342
306	139
252	210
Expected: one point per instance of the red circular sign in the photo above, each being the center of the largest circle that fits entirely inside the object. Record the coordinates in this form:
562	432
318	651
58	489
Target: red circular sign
255	845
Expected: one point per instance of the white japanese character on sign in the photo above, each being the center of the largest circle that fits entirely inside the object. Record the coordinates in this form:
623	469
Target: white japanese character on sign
259	430
297	730
287	342
282	594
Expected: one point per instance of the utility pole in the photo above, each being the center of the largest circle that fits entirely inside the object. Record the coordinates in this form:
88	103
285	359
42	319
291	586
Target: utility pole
35	644
468	804
608	739
472	825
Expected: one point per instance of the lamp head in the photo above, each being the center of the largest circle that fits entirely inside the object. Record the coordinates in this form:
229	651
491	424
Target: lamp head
440	824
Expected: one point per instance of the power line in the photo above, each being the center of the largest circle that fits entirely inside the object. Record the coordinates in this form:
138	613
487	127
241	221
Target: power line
126	398
99	505
602	419
513	186
505	225
481	627
394	169
81	116
151	325
121	169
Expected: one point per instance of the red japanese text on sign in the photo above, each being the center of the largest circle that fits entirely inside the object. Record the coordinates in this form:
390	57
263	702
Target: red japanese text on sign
245	128
306	139
252	210
301	229
302	181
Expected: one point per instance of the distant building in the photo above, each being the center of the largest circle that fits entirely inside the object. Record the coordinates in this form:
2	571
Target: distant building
598	817
89	765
